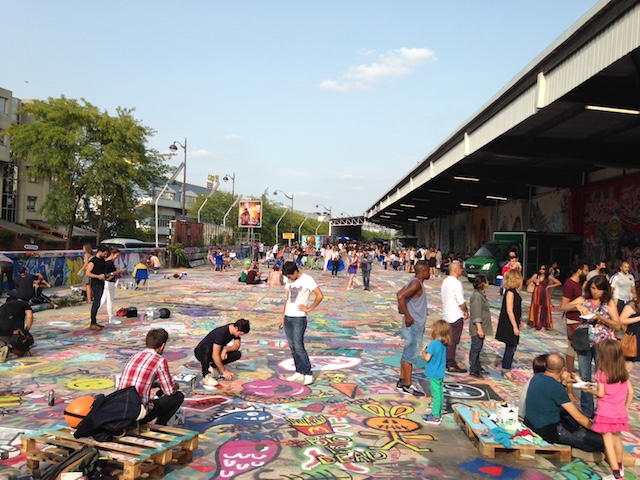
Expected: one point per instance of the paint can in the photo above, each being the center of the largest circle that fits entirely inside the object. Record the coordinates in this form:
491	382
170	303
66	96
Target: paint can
476	416
51	398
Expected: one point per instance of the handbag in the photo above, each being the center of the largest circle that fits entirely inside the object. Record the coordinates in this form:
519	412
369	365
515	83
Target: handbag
580	341
21	340
629	344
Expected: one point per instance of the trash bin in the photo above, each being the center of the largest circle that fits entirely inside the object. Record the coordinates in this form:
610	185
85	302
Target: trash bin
499	280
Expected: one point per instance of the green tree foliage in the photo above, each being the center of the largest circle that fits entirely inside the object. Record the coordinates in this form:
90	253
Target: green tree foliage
100	162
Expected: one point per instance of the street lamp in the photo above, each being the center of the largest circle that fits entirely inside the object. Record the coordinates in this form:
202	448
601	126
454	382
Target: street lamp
275	192
326	208
345	213
174	148
228	177
175	175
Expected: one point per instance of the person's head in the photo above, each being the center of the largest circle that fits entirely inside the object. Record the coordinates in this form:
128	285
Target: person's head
88	248
441	330
600	265
611	361
276	268
22	271
290	270
579	267
625	267
540	363
555	364
512	279
543	270
480	283
455	269
102	250
114	252
39	277
11	298
598	288
241	327
156	339
422	270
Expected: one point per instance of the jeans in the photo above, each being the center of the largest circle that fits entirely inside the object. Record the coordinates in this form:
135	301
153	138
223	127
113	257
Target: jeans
456	332
437	392
583	439
164	408
97	289
366	277
585	361
294	328
507	357
474	354
413	337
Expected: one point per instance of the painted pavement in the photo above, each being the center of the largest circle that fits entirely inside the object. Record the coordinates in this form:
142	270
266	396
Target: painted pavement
351	423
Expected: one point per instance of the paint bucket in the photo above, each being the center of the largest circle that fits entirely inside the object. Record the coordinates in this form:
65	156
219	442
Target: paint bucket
499	280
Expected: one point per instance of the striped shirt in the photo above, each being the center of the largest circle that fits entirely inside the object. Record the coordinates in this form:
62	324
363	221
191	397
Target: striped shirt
141	370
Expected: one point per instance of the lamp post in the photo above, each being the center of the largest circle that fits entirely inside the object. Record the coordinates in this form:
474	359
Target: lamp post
174	148
232	177
345	213
326	208
175	174
275	192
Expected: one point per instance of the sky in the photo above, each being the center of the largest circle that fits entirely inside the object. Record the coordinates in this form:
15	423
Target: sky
331	102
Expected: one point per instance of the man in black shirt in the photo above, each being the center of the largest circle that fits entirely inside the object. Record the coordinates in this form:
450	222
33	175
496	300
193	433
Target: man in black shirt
214	351
24	284
13	314
96	272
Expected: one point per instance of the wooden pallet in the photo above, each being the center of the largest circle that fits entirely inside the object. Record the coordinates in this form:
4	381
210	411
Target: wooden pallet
130	457
487	446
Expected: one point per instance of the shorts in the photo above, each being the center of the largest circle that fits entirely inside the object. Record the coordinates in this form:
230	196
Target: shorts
86	280
413	337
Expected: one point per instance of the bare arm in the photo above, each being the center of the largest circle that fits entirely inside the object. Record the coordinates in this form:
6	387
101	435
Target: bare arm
515	322
577	415
627	316
28	320
216	355
318	298
554	282
629	395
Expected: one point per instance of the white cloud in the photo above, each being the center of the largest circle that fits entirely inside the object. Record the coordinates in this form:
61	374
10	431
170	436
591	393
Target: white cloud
201	154
389	66
232	136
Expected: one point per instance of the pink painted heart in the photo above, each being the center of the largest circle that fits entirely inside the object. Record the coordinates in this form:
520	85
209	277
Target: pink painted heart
493	470
314	407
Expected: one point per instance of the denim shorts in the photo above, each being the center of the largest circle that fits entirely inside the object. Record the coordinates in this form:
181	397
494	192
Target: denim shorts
413	337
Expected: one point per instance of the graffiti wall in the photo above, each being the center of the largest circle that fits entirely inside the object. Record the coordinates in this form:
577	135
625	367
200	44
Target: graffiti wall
608	215
550	212
510	217
480	227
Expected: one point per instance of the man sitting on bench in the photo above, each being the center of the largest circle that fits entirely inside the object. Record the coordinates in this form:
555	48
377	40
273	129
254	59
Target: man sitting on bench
552	414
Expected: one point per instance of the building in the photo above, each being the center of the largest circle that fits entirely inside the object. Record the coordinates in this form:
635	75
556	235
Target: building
555	150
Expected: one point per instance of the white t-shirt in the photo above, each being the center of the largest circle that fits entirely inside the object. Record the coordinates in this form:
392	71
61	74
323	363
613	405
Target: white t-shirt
622	284
452	297
299	292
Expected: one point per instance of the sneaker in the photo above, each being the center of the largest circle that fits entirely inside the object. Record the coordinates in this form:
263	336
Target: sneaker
308	380
295	377
209	381
431	419
96	326
215	372
411	389
456	369
476	375
4	351
400	384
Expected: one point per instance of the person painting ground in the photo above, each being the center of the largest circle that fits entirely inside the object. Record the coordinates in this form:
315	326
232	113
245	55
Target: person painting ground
412	304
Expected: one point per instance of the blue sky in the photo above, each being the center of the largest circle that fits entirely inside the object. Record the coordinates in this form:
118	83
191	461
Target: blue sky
332	101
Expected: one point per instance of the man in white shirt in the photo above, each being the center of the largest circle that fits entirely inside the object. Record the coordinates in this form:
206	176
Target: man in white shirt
299	287
454	312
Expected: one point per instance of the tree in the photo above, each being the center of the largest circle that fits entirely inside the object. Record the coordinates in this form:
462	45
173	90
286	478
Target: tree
101	163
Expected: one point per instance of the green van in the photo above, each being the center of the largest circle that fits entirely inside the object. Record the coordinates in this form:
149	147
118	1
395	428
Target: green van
489	259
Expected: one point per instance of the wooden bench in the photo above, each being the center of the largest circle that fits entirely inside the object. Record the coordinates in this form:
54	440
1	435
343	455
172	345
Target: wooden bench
488	446
132	456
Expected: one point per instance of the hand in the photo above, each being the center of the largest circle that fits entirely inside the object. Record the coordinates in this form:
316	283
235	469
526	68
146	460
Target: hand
516	331
480	334
281	324
304	308
227	375
408	321
176	386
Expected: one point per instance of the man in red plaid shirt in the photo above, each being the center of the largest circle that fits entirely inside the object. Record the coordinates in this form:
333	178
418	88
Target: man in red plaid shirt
143	369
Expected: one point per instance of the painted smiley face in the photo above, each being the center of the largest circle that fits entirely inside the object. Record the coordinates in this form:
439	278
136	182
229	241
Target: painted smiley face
91	384
274	387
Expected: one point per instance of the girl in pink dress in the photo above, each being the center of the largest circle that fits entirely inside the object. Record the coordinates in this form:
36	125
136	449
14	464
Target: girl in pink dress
615	394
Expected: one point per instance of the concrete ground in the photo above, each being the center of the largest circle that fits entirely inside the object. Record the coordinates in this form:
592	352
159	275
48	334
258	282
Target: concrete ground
351	423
